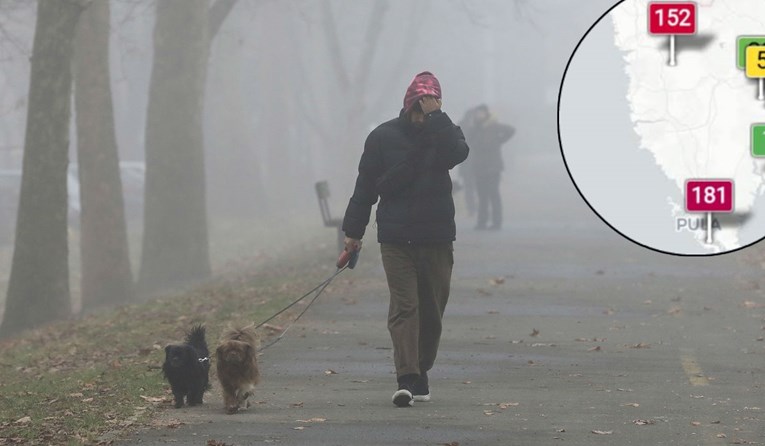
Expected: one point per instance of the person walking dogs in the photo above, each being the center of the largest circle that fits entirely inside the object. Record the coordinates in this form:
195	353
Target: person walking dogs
406	163
487	136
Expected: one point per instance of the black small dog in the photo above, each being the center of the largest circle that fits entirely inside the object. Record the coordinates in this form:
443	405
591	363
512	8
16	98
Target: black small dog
186	367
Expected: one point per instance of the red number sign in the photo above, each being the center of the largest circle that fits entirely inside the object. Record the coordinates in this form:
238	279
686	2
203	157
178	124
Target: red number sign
709	196
672	18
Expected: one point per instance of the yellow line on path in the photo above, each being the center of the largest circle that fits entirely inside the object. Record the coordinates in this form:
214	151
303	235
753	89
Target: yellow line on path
698	379
692	369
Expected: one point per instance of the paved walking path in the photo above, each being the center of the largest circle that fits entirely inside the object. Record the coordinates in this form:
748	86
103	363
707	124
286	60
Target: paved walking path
590	340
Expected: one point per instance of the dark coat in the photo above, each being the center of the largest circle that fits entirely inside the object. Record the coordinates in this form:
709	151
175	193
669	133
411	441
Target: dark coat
487	142
421	210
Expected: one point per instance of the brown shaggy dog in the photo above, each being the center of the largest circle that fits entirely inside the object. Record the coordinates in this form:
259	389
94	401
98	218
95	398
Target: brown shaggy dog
237	366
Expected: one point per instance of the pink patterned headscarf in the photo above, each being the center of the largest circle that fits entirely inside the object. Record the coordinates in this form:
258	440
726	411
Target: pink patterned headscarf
424	84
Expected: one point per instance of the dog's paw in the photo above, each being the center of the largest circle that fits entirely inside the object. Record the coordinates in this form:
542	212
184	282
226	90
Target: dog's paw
232	409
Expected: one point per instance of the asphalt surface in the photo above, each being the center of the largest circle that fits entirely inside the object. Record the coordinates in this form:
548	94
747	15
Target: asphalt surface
590	340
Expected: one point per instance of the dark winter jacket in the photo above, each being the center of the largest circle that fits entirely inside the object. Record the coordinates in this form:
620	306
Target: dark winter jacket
408	169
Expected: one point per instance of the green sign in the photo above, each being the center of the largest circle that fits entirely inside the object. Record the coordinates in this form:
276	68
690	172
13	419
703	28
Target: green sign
742	44
758	140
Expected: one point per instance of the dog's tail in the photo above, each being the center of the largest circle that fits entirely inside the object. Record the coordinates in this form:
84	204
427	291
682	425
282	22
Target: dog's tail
196	338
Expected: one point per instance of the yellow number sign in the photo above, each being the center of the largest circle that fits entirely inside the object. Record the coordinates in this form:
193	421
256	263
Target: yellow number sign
755	62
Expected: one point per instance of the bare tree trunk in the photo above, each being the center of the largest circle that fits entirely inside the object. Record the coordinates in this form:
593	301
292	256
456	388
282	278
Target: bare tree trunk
106	276
175	240
38	290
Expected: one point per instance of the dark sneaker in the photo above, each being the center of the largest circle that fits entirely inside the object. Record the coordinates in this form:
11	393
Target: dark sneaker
421	391
404	395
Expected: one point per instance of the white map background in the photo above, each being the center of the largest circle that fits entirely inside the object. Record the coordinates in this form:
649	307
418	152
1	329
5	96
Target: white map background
634	129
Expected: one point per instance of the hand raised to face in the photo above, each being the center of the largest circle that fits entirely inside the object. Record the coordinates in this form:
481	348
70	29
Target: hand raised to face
429	104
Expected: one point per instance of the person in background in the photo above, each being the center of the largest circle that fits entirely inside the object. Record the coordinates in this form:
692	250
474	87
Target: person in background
487	136
466	169
406	163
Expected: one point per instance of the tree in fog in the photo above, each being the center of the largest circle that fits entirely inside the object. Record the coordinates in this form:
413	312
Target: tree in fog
38	289
175	240
357	83
106	277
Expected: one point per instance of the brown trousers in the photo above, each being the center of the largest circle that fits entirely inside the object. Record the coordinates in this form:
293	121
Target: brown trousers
419	278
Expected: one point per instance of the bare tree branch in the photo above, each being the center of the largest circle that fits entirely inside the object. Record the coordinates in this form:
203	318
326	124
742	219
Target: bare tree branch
412	29
315	125
146	8
333	42
371	42
218	13
476	17
307	101
479	13
7	37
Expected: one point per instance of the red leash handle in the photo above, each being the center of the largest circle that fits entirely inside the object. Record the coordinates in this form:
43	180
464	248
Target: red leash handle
348	258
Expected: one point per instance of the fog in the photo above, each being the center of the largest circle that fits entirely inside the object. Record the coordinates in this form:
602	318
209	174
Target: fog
290	90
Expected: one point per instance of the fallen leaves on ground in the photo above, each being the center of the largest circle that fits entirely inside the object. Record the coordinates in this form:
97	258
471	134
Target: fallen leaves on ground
497	281
590	339
215	443
273	328
169	424
639	345
640	422
502	406
599	432
674	311
312	420
453	443
534	333
631	405
154	399
750	305
594	349
330	372
78	379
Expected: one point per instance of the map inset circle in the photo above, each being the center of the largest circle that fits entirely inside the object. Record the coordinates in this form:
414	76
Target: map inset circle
663	134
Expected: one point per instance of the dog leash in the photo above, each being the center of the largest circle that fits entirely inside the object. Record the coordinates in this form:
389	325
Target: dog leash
347	260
